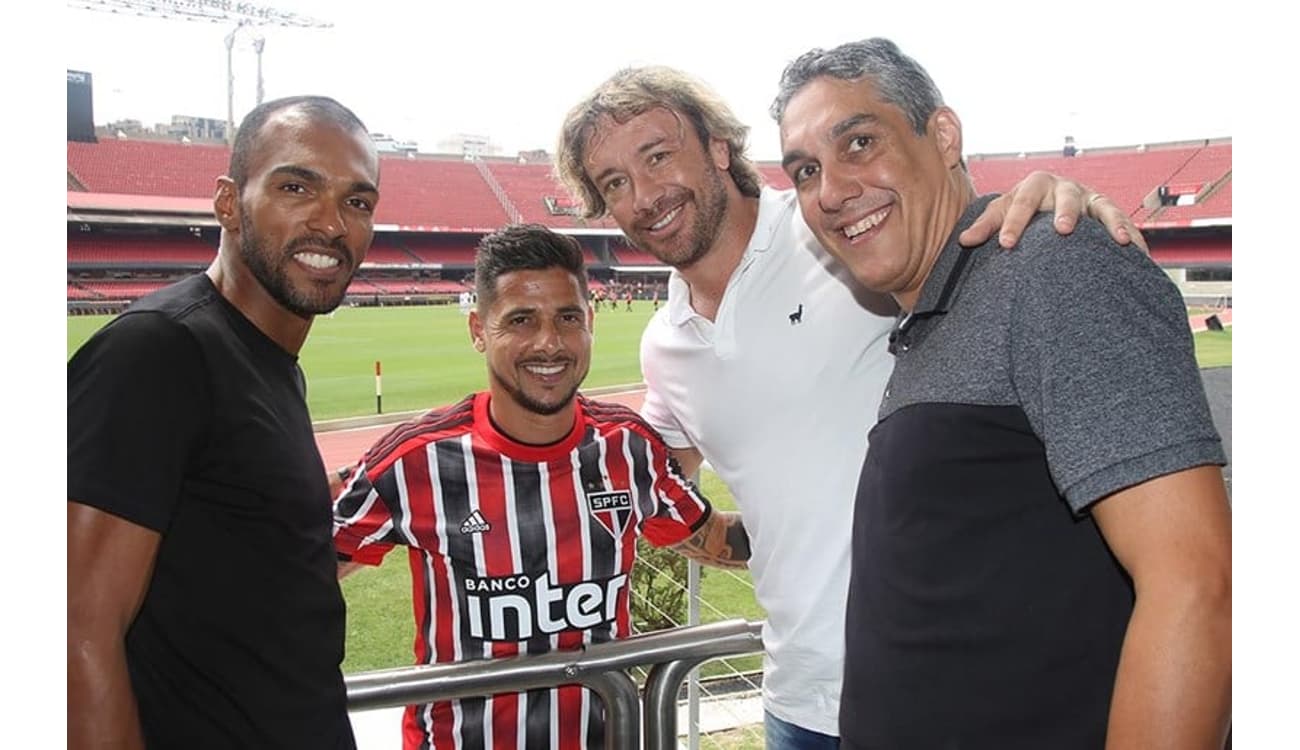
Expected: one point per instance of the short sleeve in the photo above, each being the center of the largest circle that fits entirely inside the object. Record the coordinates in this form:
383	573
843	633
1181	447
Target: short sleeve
680	508
363	524
138	404
655	411
654	408
1104	365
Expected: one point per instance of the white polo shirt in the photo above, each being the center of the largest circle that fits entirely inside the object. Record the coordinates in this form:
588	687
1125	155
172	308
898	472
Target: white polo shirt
778	394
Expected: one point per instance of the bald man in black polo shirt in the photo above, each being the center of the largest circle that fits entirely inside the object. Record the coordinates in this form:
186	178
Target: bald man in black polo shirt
1042	537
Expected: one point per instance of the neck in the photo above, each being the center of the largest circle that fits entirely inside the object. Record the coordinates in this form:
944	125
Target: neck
528	427
948	209
708	277
237	284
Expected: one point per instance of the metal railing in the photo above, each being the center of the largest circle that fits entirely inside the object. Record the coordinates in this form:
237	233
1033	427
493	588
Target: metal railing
599	667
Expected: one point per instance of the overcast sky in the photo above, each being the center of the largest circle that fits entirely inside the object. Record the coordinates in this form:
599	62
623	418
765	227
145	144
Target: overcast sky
1020	77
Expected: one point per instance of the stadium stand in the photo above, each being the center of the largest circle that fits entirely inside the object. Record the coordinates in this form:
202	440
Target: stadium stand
384	252
139	250
142	209
446	250
437	195
147	167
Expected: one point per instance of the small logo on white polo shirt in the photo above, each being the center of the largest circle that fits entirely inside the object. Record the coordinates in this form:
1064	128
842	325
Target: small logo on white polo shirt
796	317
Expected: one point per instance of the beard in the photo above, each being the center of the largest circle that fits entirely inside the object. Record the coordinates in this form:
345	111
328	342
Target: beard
516	393
271	271
711	210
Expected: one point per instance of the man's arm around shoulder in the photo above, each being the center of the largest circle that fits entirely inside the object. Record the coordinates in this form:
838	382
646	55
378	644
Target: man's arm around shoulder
110	563
1173	534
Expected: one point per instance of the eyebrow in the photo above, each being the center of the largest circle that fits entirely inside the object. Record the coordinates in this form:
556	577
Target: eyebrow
533	310
311	175
849	123
791	157
839	129
647	146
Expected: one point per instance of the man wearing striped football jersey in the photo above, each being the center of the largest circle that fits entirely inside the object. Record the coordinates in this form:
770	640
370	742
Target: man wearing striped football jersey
521	505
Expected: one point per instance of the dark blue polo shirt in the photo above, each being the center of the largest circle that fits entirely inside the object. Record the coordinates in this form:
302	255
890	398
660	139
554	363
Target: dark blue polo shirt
985	609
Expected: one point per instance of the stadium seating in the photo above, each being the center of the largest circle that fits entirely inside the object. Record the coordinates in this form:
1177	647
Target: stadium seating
528	186
434	209
77	292
630	256
445	250
384	252
137	250
148	167
437	195
123	290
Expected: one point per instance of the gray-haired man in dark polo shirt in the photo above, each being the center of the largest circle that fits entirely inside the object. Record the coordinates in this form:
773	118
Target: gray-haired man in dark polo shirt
1042	538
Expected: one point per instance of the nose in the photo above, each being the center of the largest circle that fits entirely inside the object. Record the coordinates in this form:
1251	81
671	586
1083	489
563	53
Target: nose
645	195
836	188
548	338
327	218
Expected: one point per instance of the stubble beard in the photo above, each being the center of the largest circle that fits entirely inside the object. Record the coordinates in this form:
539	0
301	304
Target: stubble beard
271	272
711	205
516	393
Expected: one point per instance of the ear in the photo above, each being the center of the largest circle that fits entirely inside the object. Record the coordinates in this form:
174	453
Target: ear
720	154
225	204
476	331
945	128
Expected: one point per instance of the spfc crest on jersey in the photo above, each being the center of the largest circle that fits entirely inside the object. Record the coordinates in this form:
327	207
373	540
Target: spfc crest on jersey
613	509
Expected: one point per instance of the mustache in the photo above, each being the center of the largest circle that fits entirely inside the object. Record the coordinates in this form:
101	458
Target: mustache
664	202
311	241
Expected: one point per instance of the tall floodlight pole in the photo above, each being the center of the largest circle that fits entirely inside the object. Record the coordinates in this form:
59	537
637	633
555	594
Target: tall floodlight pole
243	14
230	83
258	45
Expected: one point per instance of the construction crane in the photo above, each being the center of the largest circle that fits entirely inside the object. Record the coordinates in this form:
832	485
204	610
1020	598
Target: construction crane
243	15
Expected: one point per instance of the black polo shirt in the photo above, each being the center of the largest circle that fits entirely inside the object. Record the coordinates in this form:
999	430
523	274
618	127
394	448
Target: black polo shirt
985	609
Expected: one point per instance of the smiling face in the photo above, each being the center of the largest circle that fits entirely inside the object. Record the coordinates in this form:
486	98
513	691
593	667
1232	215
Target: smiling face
665	189
306	211
879	197
537	338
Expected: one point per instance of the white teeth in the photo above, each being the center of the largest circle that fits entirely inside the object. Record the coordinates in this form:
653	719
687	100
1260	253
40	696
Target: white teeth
668	217
866	223
316	260
544	369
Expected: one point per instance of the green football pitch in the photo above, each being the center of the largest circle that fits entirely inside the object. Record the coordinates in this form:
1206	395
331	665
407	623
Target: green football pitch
427	359
425	353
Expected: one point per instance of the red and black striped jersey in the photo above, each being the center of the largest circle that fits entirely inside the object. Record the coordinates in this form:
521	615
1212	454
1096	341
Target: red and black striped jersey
514	549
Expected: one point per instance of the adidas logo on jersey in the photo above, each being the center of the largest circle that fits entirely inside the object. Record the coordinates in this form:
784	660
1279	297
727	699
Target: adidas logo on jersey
475	524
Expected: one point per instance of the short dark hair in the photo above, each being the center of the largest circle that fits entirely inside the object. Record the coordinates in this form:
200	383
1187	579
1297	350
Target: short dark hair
524	247
320	108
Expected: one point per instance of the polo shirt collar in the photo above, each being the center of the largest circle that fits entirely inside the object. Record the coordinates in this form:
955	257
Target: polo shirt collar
772	213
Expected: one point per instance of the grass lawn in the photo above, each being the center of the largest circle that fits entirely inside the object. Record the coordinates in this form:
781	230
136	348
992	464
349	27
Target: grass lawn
427	360
426	354
1214	348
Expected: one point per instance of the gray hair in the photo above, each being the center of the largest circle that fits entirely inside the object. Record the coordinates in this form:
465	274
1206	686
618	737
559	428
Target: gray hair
900	80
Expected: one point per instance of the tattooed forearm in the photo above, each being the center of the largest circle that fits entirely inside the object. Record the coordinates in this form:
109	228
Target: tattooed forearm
720	542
